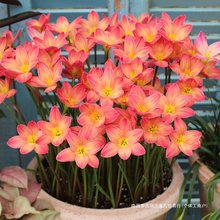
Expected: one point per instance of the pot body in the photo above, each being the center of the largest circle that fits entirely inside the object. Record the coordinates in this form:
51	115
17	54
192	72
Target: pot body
155	209
204	176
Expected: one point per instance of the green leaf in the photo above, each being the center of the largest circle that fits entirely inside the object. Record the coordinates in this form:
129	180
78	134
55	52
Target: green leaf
2	114
215	215
21	207
14	176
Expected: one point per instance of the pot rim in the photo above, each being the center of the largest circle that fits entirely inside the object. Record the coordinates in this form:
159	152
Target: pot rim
204	173
155	207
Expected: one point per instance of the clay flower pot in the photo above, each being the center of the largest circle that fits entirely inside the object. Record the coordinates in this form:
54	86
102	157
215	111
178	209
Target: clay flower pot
204	176
155	209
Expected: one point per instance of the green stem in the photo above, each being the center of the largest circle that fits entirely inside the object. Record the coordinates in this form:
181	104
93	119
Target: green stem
12	113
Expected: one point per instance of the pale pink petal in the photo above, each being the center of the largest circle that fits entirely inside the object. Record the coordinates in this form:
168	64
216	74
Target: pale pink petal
93	161
137	149
65	155
109	150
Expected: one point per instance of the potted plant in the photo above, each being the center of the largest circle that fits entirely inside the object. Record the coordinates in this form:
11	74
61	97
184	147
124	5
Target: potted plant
18	197
108	136
208	157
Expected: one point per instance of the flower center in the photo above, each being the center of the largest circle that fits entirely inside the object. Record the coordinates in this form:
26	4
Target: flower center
123	142
107	91
25	68
170	109
187	90
142	108
4	90
49	81
95	116
32	139
153	129
81	151
180	140
131	55
57	132
172	36
160	55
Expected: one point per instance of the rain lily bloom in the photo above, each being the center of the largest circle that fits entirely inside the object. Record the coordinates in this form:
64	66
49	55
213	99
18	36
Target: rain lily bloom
95	116
133	48
144	105
19	68
174	105
62	25
145	77
29	138
156	131
39	24
189	67
10	39
108	38
108	87
49	40
183	140
83	147
191	88
127	26
211	70
74	64
70	96
132	69
175	30
149	31
47	77
160	51
124	141
57	128
89	26
5	91
142	18
207	52
82	44
49	57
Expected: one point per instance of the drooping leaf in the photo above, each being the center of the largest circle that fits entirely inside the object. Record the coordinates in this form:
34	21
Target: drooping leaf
14	176
9	192
31	192
42	204
2	114
16	18
11	2
44	215
21	207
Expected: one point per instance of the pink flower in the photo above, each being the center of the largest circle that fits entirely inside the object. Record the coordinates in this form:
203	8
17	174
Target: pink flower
5	91
83	147
183	140
57	128
133	48
207	52
189	67
175	30
29	138
95	116
47	77
156	131
19	68
174	104
211	70
71	96
123	141
142	104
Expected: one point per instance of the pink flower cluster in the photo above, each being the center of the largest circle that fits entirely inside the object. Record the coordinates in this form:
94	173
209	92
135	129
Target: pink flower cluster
122	106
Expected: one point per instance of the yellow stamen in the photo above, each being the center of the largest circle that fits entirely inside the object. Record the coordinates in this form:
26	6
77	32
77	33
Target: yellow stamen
142	108
24	68
170	109
160	55
187	90
123	142
172	36
95	116
153	129
131	55
81	151
57	132
180	140
32	139
107	91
